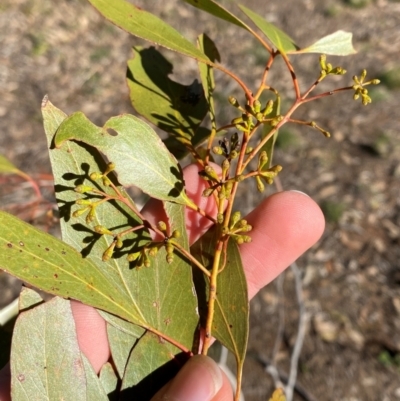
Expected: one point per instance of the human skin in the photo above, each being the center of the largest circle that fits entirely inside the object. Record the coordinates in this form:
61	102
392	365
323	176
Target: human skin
285	225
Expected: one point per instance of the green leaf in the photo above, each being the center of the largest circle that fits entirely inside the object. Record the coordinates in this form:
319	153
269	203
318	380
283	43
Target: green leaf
45	357
231	318
94	388
109	381
177	221
121	344
278	38
28	299
6	167
207	46
145	25
168	283
338	43
140	157
175	108
218	11
151	365
50	264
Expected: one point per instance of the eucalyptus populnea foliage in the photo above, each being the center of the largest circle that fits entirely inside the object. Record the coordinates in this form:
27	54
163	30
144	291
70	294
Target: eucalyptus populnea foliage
155	291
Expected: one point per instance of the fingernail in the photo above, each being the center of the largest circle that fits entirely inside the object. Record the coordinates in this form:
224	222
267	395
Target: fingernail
299	192
199	380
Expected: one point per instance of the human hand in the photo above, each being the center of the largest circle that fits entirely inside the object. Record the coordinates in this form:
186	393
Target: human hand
285	225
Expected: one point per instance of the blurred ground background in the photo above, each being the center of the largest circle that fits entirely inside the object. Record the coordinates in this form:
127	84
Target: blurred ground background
351	278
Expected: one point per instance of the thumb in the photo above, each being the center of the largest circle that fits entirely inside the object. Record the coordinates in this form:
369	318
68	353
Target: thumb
200	379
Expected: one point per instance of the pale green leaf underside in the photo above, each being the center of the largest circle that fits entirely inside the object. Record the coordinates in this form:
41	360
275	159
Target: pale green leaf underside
141	159
278	38
46	362
338	43
145	25
154	292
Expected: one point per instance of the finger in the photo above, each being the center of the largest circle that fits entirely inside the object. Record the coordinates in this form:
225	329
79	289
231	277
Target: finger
200	379
5	380
285	225
91	331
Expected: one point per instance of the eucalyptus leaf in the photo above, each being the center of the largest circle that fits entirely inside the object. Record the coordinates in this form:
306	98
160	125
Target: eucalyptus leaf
109	381
46	362
28	298
175	108
338	43
215	9
121	345
6	167
145	25
231	318
208	47
151	365
94	388
140	157
154	292
278	38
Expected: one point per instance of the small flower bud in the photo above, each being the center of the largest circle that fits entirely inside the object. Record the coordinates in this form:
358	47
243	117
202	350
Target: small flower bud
260	184
82	189
218	150
220	218
102	230
110	167
268	108
208	192
262	159
162	226
276	169
95	176
257	106
169	258
234	154
91	215
233	101
106	181
249	149
79	212
169	248
108	252
363	75
322	61
153	251
235	217
133	256
246	238
210	172
375	82
275	121
237	120
176	234
119	243
83	202
242	223
239	240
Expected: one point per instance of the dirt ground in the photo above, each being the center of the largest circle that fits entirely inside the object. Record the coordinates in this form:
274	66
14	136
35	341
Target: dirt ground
351	278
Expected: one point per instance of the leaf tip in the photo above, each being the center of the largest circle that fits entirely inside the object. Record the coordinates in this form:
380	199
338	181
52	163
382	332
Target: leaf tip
45	101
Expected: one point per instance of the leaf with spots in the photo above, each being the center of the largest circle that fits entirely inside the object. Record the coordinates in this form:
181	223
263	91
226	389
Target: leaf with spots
166	284
53	368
